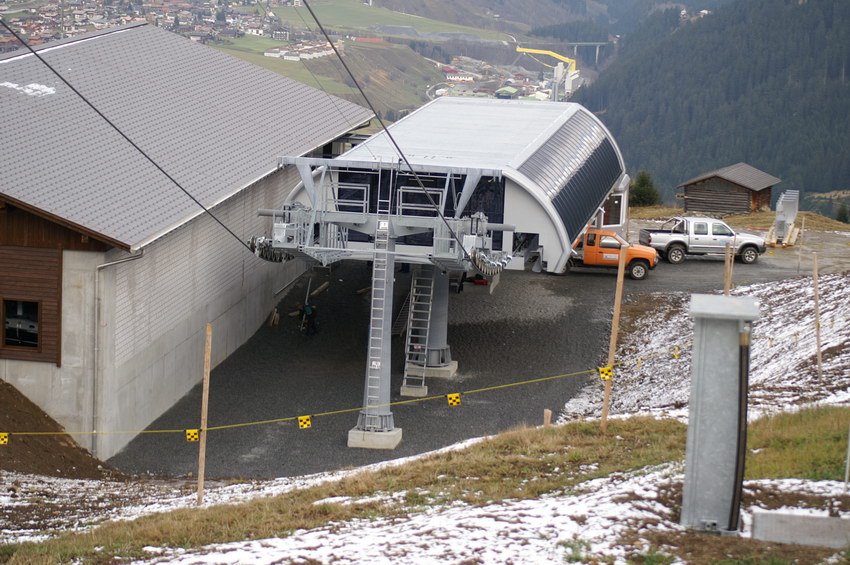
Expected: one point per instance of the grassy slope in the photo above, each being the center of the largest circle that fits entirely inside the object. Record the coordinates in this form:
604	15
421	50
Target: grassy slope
757	220
516	465
353	15
393	76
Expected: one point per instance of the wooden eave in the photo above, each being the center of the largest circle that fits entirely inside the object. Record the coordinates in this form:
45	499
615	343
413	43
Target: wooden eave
64	223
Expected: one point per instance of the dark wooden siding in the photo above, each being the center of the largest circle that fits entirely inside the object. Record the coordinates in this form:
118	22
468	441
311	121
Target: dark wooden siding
761	200
34	274
717	196
23	229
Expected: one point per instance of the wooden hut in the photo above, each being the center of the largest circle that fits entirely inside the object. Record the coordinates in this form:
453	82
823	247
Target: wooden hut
736	189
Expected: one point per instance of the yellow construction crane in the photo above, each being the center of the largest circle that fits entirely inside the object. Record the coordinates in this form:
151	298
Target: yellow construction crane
570	62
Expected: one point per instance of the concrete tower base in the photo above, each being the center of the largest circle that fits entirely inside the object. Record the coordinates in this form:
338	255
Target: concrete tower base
374	440
444	372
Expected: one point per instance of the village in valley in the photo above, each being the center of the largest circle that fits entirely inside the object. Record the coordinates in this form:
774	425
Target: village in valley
220	24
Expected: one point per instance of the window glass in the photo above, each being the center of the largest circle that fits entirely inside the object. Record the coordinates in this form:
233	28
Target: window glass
701	228
591	239
609	242
21	323
720	229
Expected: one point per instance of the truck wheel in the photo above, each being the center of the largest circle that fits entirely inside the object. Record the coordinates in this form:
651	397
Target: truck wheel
638	270
749	255
676	254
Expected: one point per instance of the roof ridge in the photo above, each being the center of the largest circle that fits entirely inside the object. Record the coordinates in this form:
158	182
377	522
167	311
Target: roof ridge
21	53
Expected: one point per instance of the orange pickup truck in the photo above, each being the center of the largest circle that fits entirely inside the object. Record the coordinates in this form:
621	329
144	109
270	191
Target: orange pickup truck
601	248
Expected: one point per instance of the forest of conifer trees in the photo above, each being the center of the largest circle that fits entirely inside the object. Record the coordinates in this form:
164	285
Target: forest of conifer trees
766	82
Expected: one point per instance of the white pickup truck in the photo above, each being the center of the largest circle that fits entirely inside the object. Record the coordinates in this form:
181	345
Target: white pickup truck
678	237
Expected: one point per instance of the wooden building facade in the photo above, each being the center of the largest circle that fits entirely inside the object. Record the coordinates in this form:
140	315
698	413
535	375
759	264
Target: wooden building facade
31	249
737	189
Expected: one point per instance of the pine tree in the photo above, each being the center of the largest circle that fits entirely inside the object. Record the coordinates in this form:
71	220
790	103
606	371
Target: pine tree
642	191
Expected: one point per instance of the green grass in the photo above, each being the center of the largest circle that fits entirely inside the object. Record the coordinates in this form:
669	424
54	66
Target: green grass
252	49
521	464
353	15
809	444
393	76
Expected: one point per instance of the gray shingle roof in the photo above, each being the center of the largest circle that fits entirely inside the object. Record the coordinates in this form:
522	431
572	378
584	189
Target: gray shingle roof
215	123
741	174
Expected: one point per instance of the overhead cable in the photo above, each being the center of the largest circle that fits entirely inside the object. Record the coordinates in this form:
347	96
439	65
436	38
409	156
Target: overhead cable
387	131
122	134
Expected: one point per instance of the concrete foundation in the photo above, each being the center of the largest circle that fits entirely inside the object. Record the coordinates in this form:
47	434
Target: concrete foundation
374	440
821	531
446	372
414	391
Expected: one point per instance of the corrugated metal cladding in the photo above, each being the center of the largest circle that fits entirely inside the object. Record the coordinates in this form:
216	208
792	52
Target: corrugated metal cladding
576	168
194	265
215	123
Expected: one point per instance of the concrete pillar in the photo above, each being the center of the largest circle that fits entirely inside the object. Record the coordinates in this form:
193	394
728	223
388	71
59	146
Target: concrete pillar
717	424
439	353
375	427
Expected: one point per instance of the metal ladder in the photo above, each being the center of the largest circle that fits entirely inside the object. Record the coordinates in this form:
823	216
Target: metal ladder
371	421
418	327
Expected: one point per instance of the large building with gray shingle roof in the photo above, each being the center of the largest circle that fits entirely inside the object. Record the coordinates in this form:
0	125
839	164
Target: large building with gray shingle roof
108	271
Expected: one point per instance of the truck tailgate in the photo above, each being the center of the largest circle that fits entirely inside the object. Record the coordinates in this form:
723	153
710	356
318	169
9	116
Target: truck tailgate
644	237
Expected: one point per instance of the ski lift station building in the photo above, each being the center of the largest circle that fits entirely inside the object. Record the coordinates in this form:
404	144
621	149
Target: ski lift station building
121	272
553	168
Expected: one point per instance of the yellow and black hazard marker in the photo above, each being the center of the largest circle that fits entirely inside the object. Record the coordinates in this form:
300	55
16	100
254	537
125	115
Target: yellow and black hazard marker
453	399
606	373
4	438
193	435
305	422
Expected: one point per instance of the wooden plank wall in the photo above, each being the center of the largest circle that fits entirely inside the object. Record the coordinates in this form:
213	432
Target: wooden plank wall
34	274
717	196
22	229
761	199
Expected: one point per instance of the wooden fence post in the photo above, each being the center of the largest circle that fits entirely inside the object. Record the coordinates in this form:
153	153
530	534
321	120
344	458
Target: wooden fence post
202	449
615	328
817	312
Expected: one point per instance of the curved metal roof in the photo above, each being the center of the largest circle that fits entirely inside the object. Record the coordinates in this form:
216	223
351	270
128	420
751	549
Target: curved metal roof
558	150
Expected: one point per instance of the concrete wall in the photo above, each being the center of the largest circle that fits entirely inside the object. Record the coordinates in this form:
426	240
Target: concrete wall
155	309
65	392
528	215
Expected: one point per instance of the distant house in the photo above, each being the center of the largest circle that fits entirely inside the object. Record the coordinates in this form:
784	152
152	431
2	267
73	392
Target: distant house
108	271
736	189
507	92
460	77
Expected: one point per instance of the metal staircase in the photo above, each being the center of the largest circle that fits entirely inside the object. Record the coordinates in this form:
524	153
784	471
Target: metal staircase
372	418
400	324
418	327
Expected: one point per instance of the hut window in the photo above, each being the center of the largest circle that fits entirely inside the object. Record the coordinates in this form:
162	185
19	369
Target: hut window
21	323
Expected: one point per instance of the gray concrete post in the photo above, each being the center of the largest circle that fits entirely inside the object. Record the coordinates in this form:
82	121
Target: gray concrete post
716	448
439	353
375	426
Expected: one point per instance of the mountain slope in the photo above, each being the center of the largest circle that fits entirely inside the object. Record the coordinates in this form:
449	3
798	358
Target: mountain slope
761	81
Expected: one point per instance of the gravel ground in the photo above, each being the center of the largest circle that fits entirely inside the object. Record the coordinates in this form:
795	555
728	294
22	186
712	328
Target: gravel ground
531	326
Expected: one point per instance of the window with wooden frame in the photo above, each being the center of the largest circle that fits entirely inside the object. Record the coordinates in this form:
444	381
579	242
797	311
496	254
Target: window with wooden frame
21	323
31	304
